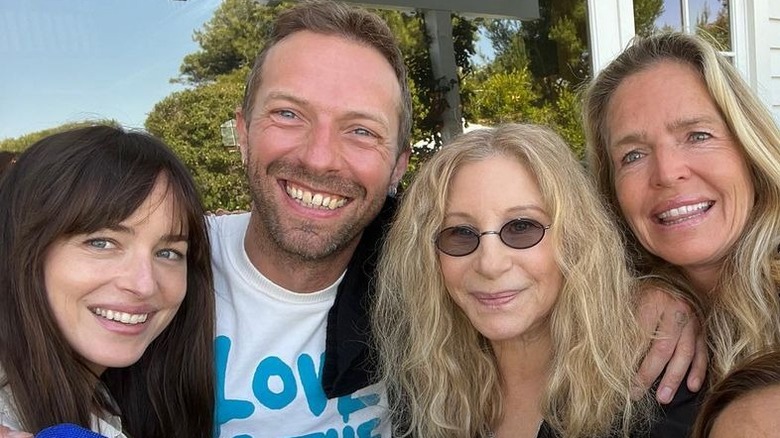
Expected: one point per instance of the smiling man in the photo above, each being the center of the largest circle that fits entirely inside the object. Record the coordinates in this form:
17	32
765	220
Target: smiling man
324	132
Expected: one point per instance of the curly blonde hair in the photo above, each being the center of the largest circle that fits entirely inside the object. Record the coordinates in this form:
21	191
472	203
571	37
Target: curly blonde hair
742	317
441	373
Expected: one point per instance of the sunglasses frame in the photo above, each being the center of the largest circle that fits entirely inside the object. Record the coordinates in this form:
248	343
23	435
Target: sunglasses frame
534	223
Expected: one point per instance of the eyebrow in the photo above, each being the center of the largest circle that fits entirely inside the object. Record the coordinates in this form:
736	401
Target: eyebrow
518	210
282	95
170	237
634	137
691	121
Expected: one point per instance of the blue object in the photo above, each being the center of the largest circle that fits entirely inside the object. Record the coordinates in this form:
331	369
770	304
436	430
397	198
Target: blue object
67	430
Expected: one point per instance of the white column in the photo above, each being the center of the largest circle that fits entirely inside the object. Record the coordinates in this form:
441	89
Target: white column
439	28
611	27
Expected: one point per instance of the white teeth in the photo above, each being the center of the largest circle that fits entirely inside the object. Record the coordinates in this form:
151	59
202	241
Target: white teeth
315	200
685	209
124	318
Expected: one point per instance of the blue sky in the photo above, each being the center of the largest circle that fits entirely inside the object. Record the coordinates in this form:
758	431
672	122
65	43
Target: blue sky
70	60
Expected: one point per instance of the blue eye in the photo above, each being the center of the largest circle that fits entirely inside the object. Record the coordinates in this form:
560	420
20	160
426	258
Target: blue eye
700	136
286	114
99	243
170	254
631	157
363	131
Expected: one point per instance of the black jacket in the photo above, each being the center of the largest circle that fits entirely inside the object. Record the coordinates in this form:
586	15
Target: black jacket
349	359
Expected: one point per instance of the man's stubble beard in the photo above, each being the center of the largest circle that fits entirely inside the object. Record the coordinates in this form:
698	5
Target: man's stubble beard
303	240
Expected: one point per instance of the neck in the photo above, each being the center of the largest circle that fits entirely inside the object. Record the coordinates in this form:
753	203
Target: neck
703	279
523	365
289	270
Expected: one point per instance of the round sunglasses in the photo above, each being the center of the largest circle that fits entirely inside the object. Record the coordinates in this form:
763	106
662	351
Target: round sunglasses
462	240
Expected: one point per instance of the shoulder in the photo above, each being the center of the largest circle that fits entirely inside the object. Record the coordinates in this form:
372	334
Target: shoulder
8	415
225	229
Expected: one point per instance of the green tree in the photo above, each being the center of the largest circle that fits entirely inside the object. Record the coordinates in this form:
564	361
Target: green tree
645	14
229	41
540	65
189	121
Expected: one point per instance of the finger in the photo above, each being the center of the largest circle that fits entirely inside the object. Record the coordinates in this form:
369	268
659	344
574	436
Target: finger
681	359
6	432
700	360
660	352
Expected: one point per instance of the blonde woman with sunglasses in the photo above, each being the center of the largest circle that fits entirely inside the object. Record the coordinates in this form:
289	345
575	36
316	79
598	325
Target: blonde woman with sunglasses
504	307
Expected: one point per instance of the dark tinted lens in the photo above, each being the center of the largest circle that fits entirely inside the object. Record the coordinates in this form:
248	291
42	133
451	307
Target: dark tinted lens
457	241
522	233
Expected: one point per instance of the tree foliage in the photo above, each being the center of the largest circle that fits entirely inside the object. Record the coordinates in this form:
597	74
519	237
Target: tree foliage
229	41
189	121
645	14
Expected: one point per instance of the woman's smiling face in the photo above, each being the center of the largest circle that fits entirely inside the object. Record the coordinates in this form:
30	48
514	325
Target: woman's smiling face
681	179
506	293
112	292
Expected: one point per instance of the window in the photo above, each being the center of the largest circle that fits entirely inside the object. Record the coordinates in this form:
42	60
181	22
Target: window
712	18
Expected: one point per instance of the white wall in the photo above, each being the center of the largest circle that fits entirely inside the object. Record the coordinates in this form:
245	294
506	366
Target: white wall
773	37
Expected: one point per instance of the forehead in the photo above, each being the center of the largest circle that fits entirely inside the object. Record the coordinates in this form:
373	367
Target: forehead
754	415
496	183
663	92
331	69
163	206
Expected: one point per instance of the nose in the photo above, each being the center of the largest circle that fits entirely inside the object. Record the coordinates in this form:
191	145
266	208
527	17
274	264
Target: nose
669	166
322	149
492	257
137	277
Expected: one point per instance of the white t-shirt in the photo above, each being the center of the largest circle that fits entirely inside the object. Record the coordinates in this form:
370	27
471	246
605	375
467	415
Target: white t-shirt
270	349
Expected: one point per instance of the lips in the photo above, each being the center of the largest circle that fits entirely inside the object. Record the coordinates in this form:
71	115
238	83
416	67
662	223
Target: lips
683	213
495	299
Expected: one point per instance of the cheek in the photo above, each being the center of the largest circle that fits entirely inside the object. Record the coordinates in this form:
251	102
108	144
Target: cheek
61	293
173	286
629	200
373	169
452	271
268	143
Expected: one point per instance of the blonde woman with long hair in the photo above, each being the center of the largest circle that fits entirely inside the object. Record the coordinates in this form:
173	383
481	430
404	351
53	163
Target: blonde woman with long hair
689	158
504	305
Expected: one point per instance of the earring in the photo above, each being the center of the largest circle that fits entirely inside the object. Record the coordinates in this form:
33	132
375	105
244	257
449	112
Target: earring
392	191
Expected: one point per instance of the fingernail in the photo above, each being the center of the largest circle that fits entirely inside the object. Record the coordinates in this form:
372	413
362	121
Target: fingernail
665	394
695	384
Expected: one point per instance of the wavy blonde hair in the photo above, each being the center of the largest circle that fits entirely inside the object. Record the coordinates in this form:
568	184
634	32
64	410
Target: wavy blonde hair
441	373
743	317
